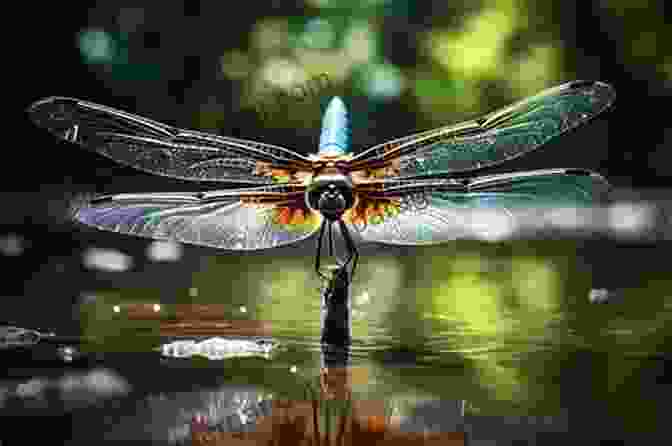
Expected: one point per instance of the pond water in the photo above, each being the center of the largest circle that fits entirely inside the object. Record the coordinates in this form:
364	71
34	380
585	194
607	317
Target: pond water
515	342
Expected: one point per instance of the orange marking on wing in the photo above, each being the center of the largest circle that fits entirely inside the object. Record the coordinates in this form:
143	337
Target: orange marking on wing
295	217
303	177
282	175
371	210
298	216
359	176
283	215
389	170
262	168
279	172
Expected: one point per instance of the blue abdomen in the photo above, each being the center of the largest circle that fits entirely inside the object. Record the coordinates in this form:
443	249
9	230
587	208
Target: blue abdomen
335	136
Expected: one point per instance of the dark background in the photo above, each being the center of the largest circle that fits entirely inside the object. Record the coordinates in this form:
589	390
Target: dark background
173	75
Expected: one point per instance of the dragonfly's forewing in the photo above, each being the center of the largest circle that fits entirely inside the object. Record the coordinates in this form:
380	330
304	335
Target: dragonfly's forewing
436	211
497	137
247	219
159	148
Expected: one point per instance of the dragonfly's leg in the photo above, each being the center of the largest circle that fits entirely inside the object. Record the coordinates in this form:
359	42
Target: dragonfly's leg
352	249
331	240
319	248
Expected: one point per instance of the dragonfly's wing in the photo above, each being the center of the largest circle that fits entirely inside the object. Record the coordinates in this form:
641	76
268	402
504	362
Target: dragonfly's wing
414	212
159	148
492	139
250	219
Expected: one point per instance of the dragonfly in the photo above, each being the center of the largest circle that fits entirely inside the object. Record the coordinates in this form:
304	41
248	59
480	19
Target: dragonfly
415	190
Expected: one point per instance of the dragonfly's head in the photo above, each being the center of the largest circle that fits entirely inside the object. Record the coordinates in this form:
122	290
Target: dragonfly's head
331	195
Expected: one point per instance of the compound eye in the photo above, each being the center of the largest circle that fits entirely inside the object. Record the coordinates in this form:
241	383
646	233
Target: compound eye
331	201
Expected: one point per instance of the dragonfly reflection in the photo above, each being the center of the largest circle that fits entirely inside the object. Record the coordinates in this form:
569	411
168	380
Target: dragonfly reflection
419	189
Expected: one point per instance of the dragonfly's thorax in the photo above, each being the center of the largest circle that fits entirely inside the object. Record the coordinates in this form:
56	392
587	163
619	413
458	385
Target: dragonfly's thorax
330	194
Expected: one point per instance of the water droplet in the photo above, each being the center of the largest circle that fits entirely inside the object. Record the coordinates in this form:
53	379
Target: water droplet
164	251
11	245
107	260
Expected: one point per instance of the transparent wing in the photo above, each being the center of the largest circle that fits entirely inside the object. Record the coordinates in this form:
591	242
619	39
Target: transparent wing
257	218
414	212
159	148
492	139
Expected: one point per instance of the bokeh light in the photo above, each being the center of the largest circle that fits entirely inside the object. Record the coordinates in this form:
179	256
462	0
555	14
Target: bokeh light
97	46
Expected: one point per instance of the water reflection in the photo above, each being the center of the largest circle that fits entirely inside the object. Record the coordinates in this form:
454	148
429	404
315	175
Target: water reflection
68	391
508	328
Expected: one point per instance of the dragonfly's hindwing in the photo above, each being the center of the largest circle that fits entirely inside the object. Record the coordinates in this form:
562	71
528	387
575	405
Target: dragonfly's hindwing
251	219
436	211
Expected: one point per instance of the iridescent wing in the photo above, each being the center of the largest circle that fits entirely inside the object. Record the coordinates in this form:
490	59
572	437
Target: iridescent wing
415	212
162	149
492	139
248	219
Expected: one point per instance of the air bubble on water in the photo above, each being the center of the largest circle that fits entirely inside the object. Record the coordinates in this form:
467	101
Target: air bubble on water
11	245
87	298
630	217
598	295
164	251
67	353
107	260
32	388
